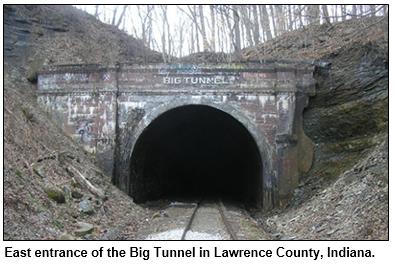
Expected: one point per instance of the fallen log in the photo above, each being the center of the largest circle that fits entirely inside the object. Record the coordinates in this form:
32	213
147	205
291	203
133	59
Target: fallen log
82	180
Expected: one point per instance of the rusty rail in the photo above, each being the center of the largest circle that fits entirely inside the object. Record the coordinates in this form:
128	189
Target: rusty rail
188	226
222	210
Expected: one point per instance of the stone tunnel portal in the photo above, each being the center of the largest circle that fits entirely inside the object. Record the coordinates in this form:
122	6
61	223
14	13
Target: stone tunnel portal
193	151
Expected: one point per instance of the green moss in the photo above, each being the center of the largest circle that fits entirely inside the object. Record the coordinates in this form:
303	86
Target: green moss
32	76
55	194
351	120
332	159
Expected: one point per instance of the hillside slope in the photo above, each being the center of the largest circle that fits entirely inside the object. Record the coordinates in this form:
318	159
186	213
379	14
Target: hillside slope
42	164
343	196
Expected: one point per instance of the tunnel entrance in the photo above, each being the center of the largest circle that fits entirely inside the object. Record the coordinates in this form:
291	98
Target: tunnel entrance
194	151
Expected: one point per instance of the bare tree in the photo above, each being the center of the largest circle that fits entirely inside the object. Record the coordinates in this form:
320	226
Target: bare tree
221	27
180	30
114	15
170	40
146	22
96	11
300	10
206	46
247	23
122	15
237	41
280	19
273	20
313	14
213	27
266	22
192	40
373	10
290	20
256	24
354	10
163	38
344	12
325	14
193	17
223	38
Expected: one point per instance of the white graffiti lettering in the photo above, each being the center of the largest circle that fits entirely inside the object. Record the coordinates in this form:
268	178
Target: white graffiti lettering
219	80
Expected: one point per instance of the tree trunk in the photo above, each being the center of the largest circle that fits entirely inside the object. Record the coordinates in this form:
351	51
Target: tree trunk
344	12
150	38
290	22
247	29
326	14
280	19
225	37
96	11
273	21
256	24
114	15
313	14
193	17
334	13
237	43
300	15
213	27
266	22
169	40
164	18
197	29
143	31
181	41
373	10
203	29
192	43
122	15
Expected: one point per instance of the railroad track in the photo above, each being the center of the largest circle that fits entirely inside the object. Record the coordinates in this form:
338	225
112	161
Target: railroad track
223	214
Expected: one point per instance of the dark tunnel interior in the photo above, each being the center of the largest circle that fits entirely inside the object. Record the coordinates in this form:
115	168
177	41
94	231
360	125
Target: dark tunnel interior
195	151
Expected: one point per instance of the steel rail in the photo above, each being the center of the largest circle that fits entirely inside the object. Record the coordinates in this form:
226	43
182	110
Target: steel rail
222	210
188	226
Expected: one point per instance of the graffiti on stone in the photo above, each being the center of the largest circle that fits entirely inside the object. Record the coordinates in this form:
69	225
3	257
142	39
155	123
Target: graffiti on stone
211	80
105	140
85	130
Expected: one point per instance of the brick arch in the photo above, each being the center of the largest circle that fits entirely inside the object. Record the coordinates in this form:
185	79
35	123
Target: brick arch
256	134
123	99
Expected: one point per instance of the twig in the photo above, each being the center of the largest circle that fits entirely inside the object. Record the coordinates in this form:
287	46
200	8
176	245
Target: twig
369	25
52	156
56	156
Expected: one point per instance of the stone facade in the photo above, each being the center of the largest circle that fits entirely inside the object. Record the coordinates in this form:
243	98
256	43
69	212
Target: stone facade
107	107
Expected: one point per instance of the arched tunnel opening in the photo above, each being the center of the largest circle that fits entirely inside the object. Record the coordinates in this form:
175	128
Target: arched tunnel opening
196	151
